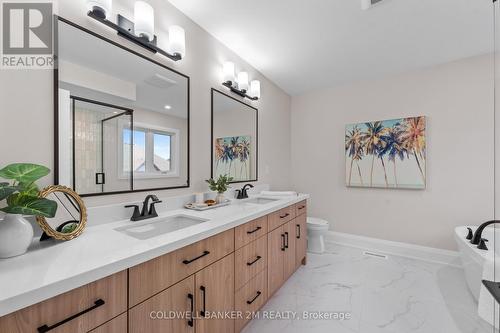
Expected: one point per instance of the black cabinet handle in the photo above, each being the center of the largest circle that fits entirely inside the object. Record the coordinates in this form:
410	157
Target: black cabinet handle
253	262
253	299
45	328
187	262
255	230
283	216
282	242
204	291
286	240
302	207
298	231
191	321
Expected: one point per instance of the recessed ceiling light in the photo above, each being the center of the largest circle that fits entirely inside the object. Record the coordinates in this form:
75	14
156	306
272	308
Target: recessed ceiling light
168	107
115	112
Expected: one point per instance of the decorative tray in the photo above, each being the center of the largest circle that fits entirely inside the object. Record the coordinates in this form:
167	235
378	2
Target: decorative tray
193	207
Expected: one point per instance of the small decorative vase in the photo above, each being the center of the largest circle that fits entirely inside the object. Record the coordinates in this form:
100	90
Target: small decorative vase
16	235
220	198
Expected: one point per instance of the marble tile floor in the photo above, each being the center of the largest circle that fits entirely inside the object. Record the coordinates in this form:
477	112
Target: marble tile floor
394	295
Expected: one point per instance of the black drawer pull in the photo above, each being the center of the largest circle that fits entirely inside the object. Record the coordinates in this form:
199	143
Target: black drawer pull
298	231
254	230
282	242
283	216
302	207
253	262
187	262
286	238
45	328
204	290
253	299
191	321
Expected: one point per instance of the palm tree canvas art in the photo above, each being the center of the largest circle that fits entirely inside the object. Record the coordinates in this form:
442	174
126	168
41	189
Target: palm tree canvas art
232	157
386	154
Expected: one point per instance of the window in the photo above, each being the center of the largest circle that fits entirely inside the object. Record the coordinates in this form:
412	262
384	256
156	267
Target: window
153	151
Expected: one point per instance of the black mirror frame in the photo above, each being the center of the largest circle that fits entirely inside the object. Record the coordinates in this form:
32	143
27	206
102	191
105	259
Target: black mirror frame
58	19
212	136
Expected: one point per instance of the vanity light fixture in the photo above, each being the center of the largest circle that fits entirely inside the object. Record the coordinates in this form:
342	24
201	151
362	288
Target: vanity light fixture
241	86
101	8
140	32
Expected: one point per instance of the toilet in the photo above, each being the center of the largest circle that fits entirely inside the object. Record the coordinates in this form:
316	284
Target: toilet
316	228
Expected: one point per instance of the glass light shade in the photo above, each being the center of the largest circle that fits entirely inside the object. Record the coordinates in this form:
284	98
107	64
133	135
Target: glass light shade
177	40
366	4
255	88
228	71
243	81
144	20
101	6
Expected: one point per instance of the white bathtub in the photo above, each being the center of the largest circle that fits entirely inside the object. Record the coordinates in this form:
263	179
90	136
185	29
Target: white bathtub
474	259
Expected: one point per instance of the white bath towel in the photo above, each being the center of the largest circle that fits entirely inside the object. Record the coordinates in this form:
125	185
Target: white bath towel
487	307
278	193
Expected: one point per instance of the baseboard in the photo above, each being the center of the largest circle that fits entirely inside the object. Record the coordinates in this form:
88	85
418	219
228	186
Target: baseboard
430	254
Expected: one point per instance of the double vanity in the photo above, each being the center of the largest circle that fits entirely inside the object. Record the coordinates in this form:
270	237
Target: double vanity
182	271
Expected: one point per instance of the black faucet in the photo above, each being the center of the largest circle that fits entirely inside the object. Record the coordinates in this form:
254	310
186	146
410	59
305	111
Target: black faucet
479	231
242	194
148	210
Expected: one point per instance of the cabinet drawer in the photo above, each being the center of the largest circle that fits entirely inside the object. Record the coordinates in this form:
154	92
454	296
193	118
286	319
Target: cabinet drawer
251	298
249	261
250	231
280	217
97	303
158	314
301	208
117	325
155	275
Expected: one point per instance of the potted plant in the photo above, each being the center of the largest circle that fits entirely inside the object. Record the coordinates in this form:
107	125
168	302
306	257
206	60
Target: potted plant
21	199
220	186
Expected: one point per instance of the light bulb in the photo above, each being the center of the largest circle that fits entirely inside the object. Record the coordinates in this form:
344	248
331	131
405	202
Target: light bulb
144	20
255	88
243	81
228	71
177	40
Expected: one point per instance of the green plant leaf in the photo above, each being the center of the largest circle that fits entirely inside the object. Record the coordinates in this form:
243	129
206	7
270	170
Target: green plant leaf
24	172
31	205
6	190
28	189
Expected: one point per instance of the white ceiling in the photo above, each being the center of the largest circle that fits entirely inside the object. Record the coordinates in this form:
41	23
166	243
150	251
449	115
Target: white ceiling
304	45
155	85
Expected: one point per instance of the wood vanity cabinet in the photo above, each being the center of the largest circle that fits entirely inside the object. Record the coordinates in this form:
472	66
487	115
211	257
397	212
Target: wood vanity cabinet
116	325
77	311
154	315
214	287
194	289
300	239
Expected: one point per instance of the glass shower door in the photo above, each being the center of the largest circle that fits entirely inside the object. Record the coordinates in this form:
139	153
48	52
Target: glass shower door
102	147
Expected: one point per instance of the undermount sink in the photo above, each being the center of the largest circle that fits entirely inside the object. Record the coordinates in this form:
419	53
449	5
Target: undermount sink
260	201
159	226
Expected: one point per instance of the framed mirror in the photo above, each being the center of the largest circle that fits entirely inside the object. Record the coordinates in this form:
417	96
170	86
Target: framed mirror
234	141
71	215
122	119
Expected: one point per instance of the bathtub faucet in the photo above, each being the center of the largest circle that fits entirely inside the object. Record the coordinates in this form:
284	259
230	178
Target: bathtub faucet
477	235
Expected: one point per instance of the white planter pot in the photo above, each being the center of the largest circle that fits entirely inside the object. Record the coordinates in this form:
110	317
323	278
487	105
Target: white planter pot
16	235
220	198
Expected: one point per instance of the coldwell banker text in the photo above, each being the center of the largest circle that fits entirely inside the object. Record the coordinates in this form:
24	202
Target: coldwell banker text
27	35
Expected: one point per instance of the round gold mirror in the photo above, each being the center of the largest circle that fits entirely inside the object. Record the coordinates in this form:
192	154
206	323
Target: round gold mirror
71	215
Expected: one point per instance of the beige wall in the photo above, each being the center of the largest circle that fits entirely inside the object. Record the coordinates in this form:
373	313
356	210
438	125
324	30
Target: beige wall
26	102
457	98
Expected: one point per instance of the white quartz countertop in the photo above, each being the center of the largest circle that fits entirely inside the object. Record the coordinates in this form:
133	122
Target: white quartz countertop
51	268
